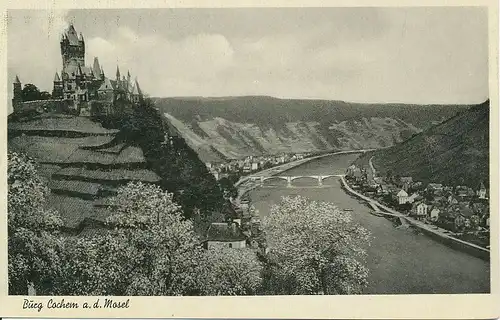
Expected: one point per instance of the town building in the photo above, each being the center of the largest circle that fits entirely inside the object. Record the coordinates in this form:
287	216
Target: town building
481	193
255	166
434	213
225	235
420	209
402	197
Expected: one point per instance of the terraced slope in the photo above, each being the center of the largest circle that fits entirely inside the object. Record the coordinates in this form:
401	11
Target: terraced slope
82	162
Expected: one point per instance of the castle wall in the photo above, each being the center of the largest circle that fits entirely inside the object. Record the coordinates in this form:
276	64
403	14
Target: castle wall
52	105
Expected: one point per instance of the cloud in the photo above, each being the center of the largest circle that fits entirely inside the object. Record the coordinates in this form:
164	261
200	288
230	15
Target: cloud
33	50
420	55
157	60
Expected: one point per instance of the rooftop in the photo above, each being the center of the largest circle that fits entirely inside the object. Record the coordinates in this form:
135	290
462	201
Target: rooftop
225	232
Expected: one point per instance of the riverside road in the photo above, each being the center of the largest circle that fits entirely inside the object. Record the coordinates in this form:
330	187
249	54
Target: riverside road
401	261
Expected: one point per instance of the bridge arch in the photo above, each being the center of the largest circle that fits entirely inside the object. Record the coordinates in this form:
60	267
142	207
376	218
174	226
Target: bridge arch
274	177
304	177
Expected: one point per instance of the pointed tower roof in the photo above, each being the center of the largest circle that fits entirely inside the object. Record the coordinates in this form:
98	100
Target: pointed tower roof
79	70
96	67
71	35
106	85
102	71
117	73
137	87
481	186
80	37
17	80
56	77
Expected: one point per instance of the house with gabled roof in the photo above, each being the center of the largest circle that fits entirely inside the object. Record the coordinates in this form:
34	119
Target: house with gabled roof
225	235
402	197
482	192
420	209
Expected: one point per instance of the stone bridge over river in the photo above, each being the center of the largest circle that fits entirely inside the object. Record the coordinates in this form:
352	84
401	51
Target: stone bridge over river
289	179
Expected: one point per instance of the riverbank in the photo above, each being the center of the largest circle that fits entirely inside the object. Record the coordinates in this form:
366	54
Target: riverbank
435	233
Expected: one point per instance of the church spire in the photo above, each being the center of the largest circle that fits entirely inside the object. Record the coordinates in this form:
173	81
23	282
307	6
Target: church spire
56	77
117	73
17	80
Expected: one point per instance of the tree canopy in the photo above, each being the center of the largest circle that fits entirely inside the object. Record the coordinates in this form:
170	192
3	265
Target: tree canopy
314	248
149	247
32	228
31	92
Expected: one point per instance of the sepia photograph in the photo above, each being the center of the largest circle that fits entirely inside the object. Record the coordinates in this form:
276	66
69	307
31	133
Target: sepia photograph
274	151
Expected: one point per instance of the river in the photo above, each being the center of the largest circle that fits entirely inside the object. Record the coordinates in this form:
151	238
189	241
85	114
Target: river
400	261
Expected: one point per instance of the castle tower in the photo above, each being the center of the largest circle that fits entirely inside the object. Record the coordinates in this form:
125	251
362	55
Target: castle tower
72	48
57	91
124	85
17	99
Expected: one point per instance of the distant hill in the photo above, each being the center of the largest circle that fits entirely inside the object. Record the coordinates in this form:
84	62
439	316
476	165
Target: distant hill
233	127
455	152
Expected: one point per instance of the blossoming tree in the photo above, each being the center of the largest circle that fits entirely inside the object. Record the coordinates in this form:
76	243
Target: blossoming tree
314	248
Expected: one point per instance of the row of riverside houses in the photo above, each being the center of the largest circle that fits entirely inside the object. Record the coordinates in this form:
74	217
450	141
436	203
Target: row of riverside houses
80	85
455	208
251	164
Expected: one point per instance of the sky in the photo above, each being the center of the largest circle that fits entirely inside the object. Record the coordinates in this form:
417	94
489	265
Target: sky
409	55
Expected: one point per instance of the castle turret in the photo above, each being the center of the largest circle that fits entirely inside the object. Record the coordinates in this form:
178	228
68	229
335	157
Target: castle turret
57	91
72	48
96	69
17	99
136	94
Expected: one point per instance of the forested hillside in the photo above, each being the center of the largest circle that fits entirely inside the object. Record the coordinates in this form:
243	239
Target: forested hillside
455	152
234	127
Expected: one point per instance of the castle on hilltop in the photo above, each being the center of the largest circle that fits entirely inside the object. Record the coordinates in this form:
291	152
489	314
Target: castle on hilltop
79	85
